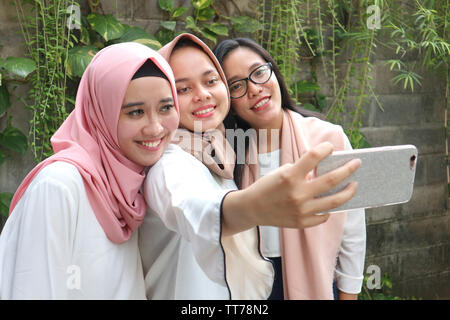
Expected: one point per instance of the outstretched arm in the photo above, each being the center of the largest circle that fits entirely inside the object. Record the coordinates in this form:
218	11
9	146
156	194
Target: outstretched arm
287	196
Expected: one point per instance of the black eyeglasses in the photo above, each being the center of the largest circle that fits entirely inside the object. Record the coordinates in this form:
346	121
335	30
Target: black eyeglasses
260	75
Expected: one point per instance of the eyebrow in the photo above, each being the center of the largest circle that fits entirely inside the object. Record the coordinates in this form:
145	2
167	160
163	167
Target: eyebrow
139	103
132	104
251	68
207	72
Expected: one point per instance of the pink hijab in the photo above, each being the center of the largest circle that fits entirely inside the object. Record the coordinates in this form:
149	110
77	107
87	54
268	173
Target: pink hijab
308	255
88	140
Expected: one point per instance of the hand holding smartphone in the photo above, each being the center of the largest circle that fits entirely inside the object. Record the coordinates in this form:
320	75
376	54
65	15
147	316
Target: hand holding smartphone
385	177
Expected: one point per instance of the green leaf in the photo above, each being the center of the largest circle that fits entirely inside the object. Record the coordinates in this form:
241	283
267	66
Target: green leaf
217	28
208	35
153	44
201	4
190	24
164	36
136	34
206	14
179	12
246	24
166	5
5	201
321	100
169	25
5	103
78	59
357	139
13	139
84	37
106	25
305	86
21	67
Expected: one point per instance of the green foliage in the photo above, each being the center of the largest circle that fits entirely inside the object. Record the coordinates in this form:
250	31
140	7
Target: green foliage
384	293
20	67
78	59
11	139
5	200
106	25
47	40
319	32
205	21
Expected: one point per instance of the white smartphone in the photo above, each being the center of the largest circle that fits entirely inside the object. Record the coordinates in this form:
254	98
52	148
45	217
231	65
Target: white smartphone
385	177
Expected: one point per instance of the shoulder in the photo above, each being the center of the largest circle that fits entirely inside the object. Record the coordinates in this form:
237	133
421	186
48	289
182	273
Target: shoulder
317	131
175	159
60	174
56	195
313	123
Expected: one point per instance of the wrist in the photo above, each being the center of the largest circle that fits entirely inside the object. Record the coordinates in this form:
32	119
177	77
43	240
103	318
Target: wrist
237	212
347	296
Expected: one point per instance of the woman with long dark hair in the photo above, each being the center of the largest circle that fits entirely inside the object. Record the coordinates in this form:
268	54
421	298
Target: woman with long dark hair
307	260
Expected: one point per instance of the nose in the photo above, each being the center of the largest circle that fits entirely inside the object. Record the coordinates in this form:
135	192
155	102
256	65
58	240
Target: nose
201	93
152	127
253	89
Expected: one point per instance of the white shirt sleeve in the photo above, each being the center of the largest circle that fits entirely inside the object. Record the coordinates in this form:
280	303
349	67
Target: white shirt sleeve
36	242
349	272
186	197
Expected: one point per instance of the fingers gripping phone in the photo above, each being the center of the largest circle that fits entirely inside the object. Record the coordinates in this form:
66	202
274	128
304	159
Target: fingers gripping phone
385	177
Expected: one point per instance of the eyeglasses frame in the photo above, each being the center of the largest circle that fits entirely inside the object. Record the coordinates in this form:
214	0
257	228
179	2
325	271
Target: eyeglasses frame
249	79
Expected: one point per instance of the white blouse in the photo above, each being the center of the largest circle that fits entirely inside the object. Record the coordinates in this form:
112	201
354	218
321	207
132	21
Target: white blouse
52	246
350	263
183	252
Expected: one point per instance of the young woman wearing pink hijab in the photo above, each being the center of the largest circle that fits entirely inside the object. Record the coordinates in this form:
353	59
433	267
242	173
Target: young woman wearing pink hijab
72	228
199	240
307	260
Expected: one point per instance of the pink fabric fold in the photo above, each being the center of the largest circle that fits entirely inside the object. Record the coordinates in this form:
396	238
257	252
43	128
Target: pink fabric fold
308	255
88	140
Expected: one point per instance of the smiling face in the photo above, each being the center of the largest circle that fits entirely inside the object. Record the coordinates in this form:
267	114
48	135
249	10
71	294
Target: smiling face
202	95
147	121
261	105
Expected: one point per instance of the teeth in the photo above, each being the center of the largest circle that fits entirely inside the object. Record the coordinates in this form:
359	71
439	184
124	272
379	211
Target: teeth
151	144
204	111
261	103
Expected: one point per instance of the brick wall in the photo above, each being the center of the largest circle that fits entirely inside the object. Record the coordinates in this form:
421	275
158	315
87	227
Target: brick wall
410	242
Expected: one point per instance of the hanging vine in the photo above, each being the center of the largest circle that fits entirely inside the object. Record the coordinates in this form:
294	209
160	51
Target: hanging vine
47	40
318	32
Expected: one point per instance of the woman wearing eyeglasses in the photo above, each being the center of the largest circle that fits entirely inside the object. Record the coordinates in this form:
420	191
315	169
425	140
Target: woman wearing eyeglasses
307	261
199	240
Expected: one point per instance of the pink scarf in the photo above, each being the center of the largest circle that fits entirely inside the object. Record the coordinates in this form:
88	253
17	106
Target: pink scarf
211	147
88	140
308	255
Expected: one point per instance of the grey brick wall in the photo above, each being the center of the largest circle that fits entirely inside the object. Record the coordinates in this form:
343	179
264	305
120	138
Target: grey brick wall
410	242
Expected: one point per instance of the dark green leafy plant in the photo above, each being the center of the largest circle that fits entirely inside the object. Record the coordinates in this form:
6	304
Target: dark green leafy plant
47	38
318	32
12	69
384	293
98	31
205	21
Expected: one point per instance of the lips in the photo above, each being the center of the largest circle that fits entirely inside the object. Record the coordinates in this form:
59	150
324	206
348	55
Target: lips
204	111
261	104
151	145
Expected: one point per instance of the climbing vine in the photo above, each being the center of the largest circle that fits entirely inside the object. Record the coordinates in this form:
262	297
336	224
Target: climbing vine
335	41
